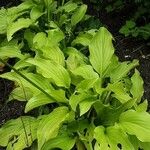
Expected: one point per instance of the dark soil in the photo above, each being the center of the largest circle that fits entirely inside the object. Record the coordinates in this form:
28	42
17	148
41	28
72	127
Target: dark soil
126	48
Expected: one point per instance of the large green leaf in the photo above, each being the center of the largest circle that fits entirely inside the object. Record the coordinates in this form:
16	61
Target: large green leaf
37	79
76	99
78	14
55	54
18	133
42	99
86	72
21	94
83	39
18	25
86	84
137	88
136	123
63	142
86	104
119	91
122	70
109	138
10	52
3	20
49	126
101	50
35	13
52	71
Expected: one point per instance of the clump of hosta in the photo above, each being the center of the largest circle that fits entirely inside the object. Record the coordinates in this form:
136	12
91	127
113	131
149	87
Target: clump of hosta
84	102
98	100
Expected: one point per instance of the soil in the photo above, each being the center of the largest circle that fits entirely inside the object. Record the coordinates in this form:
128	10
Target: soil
126	48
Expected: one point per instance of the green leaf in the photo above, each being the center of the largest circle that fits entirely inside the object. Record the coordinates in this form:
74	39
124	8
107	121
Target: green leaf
136	123
68	7
21	94
86	104
76	99
40	40
18	133
119	91
78	14
83	39
18	25
122	70
52	71
86	72
55	36
137	88
35	13
142	107
49	126
63	142
55	54
109	138
130	24
37	79
101	50
29	35
86	84
75	58
3	20
10	52
42	99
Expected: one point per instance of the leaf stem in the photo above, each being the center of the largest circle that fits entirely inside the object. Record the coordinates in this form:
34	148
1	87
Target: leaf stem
107	97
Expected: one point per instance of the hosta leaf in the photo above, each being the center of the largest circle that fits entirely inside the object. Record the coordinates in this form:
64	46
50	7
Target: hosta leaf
119	91
83	39
86	72
137	88
37	79
52	71
101	50
10	52
142	106
18	133
18	25
49	126
122	70
35	13
55	54
55	36
86	84
29	35
76	99
85	105
138	144
3	20
20	94
136	123
68	7
75	58
40	40
42	99
63	142
78	15
109	138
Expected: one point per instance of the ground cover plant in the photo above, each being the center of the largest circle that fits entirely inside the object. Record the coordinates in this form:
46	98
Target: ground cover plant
86	98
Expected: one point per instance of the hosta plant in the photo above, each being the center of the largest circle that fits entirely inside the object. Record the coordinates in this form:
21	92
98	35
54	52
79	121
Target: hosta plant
92	102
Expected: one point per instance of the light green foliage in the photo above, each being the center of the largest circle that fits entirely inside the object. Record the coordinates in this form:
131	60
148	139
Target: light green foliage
78	15
101	50
49	126
76	99
62	142
23	130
